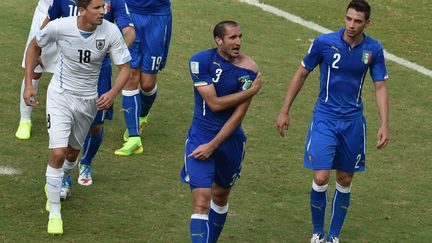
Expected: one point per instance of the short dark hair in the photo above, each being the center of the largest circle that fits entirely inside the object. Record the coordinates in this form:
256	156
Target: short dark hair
360	6
83	3
219	29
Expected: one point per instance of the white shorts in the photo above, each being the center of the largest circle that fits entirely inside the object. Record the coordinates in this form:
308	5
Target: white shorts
49	53
69	117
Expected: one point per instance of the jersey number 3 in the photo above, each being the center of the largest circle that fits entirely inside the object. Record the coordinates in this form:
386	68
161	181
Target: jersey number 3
84	56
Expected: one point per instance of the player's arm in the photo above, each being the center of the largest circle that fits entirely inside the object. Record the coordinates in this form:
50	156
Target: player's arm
129	35
106	100
381	94
31	61
123	21
217	103
205	150
294	88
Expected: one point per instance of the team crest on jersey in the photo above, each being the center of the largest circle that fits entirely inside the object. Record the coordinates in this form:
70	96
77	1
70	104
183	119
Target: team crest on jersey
194	66
366	56
100	44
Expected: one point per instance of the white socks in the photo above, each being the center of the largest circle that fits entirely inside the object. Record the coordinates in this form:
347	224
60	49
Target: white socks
54	178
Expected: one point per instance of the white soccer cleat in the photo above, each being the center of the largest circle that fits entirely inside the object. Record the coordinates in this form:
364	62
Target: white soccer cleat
317	238
333	239
85	178
66	189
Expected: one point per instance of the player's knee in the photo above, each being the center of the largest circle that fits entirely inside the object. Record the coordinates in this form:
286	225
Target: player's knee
133	81
71	154
344	181
321	180
96	129
201	206
57	157
148	82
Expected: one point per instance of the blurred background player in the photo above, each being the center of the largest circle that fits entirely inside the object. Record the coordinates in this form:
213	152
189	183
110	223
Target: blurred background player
215	145
152	20
337	133
48	58
72	98
114	10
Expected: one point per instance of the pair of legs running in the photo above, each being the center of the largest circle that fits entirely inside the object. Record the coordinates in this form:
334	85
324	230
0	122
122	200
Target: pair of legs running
340	204
210	209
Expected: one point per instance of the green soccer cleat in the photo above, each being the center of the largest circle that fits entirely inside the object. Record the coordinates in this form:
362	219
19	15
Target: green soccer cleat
142	121
24	129
55	226
132	146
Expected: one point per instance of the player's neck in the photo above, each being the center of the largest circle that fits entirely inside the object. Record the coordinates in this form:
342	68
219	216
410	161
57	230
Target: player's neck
353	41
84	25
227	57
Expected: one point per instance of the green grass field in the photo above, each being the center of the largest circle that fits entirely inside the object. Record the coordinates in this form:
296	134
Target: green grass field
140	199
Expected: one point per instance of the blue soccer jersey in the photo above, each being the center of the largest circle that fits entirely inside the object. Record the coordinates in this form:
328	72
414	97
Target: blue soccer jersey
342	72
149	7
206	68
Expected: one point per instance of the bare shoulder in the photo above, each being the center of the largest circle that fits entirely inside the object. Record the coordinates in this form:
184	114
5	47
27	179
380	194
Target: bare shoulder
247	62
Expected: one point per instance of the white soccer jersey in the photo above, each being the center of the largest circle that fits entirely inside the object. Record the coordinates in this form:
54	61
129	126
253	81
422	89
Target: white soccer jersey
80	58
43	6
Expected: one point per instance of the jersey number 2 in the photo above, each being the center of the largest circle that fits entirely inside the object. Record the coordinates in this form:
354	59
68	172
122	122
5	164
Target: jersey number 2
337	57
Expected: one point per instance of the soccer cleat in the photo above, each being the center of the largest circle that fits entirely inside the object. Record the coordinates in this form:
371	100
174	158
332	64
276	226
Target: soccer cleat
142	121
132	146
317	238
333	239
47	204
55	226
24	129
66	189
85	178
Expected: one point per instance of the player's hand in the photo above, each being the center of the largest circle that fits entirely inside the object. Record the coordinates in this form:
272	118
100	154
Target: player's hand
257	83
105	101
202	152
29	96
282	124
382	137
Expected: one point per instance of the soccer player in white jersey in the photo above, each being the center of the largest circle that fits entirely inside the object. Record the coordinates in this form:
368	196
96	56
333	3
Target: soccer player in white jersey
72	101
48	58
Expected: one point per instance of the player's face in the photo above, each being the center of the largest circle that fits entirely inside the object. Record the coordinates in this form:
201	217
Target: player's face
94	13
230	44
355	23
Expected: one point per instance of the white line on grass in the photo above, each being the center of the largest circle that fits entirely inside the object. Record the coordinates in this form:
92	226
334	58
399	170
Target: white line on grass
320	29
4	170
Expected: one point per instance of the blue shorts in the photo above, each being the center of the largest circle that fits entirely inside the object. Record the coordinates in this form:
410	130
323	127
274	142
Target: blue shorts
336	144
222	167
104	85
150	50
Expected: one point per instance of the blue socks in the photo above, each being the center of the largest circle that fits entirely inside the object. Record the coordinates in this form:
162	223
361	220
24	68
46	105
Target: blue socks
318	203
199	228
217	218
91	146
147	100
131	110
341	202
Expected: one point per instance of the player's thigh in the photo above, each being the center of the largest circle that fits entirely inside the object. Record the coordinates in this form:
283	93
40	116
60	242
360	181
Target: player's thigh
59	119
155	40
229	157
350	155
83	116
197	173
320	145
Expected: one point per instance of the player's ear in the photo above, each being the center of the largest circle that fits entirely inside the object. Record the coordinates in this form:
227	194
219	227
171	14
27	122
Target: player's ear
218	41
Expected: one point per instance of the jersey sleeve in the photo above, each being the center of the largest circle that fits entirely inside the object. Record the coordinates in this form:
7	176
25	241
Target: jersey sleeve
378	70
121	16
199	71
118	50
55	10
313	56
246	79
48	34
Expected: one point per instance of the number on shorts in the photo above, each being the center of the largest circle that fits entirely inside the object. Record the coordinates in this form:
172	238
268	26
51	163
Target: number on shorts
358	159
156	61
48	121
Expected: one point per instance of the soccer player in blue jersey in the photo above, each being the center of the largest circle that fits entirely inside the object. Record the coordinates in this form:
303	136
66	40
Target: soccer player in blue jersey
336	138
225	80
153	24
114	10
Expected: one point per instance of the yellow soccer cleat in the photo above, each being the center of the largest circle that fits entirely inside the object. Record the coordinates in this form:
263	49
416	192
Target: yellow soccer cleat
142	121
55	226
24	129
132	146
